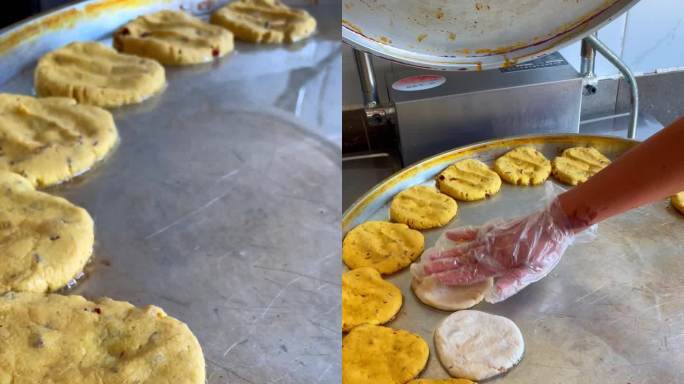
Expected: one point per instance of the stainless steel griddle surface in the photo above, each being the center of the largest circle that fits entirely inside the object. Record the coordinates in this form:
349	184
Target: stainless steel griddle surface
222	204
611	312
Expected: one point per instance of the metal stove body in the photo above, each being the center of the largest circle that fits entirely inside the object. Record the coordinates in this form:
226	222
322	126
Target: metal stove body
541	96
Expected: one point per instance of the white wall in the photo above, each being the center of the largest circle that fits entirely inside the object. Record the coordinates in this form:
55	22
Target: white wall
649	38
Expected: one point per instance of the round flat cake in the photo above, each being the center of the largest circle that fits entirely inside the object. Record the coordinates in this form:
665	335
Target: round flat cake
382	355
367	298
576	165
93	73
265	21
68	339
437	295
523	166
468	180
173	38
422	207
51	140
45	241
386	247
477	346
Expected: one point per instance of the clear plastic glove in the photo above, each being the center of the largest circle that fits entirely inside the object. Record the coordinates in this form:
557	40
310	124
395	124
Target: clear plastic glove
517	252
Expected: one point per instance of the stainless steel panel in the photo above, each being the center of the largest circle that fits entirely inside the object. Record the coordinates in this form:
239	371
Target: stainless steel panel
359	175
222	202
611	312
472	107
617	125
547	70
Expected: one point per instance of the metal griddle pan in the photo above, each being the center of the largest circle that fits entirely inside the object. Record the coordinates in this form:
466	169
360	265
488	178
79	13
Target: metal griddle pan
471	34
613	309
221	203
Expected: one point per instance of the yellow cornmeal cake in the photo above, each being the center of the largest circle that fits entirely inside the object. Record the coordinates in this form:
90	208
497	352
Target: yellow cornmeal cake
381	355
422	207
93	73
386	247
68	339
45	241
576	165
468	180
523	166
441	381
173	37
50	140
265	21
678	202
367	298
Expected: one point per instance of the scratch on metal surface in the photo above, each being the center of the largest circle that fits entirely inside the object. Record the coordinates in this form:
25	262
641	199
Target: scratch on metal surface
263	246
631	364
334	307
320	377
277	380
280	292
598	298
326	257
624	319
237	156
219	365
554	366
228	175
286	374
296	273
243	308
273	281
313	228
180	219
323	285
314	355
591	293
657	307
303	198
632	247
235	344
320	326
175	301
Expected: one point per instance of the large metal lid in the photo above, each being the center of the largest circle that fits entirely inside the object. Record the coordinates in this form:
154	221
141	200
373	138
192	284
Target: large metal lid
471	34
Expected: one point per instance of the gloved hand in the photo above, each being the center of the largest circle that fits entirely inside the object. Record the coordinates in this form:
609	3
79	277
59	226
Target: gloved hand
518	252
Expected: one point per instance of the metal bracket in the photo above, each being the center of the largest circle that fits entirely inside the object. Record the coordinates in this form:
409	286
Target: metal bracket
364	65
375	114
590	44
590	81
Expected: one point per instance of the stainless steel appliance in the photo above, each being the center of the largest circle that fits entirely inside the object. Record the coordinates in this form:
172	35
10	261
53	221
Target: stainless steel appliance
541	96
500	76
